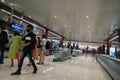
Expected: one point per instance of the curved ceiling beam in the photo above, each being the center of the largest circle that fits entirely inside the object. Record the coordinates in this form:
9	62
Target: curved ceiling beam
8	8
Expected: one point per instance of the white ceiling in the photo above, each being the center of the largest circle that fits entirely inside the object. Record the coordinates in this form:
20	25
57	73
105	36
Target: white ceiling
84	20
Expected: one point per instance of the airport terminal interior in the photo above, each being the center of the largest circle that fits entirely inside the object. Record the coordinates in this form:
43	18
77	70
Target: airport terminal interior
59	39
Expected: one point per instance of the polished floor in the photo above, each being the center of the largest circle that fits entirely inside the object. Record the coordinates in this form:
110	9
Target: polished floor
77	68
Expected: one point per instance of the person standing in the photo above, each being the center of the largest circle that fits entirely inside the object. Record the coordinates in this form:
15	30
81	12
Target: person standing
28	47
43	49
14	51
50	50
71	49
3	41
47	48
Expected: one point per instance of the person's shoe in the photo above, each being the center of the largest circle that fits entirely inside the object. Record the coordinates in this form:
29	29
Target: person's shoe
16	73
12	65
35	71
28	64
38	63
42	63
37	59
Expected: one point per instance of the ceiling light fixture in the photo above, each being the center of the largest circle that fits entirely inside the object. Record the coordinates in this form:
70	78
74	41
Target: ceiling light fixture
29	16
87	16
114	38
20	18
45	25
88	26
55	16
5	11
37	32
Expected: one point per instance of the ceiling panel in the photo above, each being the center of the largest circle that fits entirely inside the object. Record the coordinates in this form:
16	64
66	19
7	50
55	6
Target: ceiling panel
83	20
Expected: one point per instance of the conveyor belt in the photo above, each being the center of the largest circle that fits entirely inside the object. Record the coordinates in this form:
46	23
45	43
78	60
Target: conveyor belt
113	64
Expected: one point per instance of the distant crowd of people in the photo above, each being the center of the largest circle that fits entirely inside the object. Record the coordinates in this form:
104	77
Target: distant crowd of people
84	50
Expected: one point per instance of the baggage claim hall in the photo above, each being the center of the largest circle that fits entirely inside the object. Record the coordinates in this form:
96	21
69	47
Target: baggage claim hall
59	39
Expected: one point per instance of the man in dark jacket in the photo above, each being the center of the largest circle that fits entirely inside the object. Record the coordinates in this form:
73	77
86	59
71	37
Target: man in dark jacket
28	47
3	42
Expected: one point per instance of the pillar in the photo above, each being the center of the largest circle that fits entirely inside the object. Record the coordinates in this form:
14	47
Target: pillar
103	49
108	47
46	33
61	40
118	48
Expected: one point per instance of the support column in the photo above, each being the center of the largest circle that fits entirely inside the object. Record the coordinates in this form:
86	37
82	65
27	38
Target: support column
103	49
118	48
61	41
108	47
46	33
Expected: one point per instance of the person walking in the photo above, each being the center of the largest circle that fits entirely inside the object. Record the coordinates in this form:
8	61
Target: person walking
14	51
50	50
3	41
28	47
35	52
43	50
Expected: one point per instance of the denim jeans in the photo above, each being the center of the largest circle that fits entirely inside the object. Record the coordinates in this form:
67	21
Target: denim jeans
24	54
2	49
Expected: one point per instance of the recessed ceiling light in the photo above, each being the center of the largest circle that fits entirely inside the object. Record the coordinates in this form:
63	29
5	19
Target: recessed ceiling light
87	16
88	26
55	16
37	32
21	22
29	16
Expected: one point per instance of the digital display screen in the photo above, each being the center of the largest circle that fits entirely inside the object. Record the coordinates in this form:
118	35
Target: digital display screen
112	51
17	27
